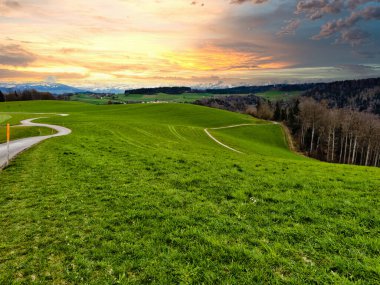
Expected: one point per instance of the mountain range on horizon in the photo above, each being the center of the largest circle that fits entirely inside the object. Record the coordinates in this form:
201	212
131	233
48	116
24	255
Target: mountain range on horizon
55	88
59	88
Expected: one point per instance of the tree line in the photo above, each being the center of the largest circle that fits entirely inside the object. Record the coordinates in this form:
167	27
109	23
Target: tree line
259	89
26	95
360	95
153	91
225	91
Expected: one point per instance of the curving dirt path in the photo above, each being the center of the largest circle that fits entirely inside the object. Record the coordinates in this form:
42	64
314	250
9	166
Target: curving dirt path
232	126
17	146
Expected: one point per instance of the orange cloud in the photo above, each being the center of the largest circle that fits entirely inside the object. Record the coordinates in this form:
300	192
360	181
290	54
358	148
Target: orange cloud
212	58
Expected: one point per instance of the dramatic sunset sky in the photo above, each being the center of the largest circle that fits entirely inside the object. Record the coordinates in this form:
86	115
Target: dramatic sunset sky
185	42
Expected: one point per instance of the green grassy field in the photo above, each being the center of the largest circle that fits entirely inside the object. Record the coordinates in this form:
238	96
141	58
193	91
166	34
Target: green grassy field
275	95
140	194
182	98
272	95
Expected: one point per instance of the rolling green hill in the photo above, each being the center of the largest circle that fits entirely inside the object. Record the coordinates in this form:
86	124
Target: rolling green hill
140	194
275	95
162	97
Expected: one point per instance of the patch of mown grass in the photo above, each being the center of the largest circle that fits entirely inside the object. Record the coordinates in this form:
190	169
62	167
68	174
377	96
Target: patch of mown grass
140	194
4	118
275	95
143	98
16	118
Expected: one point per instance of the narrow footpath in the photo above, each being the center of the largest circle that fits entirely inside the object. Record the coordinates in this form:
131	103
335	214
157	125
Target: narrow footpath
232	126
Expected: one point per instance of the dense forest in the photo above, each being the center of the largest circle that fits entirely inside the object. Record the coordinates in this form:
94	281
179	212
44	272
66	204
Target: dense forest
259	89
225	91
26	95
360	95
232	103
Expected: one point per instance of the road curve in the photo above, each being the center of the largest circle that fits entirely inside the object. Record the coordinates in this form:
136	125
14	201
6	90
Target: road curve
232	126
218	142
17	146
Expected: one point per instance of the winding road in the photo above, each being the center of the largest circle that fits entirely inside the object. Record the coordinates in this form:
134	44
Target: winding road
17	146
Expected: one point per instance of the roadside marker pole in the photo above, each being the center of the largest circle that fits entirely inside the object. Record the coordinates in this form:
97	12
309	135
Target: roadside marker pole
8	139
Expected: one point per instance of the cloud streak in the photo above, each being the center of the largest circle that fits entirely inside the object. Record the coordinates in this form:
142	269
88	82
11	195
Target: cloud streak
290	28
11	4
316	9
15	55
345	26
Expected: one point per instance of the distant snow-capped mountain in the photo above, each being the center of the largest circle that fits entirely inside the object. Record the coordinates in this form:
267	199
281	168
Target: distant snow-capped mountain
107	88
55	88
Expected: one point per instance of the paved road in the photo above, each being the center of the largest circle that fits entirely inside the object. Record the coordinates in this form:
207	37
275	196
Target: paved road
17	146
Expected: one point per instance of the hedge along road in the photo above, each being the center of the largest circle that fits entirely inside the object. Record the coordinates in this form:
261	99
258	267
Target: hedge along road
17	146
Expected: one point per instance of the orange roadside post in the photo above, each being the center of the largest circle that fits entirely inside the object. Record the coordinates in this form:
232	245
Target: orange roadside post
8	139
8	132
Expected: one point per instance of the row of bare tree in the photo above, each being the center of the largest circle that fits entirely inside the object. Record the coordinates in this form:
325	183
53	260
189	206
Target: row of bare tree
334	135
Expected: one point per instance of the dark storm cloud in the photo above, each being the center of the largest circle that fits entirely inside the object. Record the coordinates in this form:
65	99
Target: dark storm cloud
316	9
369	13
353	37
344	26
354	3
259	32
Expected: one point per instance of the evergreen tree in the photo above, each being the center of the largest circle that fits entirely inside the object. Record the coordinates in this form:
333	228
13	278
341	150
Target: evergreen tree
277	112
2	97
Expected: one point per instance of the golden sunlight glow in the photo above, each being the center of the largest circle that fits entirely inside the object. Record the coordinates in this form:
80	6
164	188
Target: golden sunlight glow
121	41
